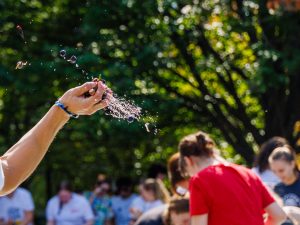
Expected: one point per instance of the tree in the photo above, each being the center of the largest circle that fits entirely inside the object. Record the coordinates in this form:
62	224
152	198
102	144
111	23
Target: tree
234	64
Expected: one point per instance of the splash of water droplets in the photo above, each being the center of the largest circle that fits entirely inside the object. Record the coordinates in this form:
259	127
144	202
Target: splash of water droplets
118	107
21	64
123	109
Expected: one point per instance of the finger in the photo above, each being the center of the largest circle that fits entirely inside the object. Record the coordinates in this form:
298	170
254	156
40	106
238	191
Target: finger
102	104
99	93
84	88
92	92
109	91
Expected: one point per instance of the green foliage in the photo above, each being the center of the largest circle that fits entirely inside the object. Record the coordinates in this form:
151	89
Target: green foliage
230	68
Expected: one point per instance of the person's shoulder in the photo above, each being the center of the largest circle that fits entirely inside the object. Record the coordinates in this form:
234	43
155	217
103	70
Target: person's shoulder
133	197
298	181
79	198
255	170
54	200
52	203
138	199
21	190
242	169
209	172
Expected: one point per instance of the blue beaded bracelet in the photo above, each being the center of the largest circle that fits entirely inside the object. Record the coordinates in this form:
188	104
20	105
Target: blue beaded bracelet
63	107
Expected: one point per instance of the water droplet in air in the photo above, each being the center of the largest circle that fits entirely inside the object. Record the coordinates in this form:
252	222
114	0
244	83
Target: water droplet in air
147	127
63	53
21	64
130	119
73	59
77	65
20	31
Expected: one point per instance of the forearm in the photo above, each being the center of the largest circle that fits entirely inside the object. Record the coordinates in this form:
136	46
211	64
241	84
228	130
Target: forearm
293	213
275	215
270	221
21	159
28	218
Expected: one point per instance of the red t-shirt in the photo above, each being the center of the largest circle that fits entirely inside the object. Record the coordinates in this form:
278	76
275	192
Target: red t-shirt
230	195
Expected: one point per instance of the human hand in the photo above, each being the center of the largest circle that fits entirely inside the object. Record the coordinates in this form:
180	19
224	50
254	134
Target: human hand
97	191
135	213
78	103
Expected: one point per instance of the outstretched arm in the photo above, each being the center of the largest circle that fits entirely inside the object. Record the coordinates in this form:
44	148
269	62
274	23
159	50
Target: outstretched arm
22	158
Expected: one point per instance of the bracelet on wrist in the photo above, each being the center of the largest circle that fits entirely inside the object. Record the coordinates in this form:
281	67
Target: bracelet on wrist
64	108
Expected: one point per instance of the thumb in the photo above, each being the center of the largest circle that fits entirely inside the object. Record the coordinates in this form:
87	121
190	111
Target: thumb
80	90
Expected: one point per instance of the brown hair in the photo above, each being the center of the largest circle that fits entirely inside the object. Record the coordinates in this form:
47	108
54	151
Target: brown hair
177	205
261	161
158	188
64	185
174	172
286	153
198	144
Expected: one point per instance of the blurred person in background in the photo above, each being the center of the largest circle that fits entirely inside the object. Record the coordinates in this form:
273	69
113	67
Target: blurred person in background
153	193
122	201
261	164
68	208
176	212
283	163
179	184
101	202
223	193
17	208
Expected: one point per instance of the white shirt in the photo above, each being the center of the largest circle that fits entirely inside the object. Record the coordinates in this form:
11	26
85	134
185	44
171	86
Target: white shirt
143	206
267	177
75	212
1	176
14	208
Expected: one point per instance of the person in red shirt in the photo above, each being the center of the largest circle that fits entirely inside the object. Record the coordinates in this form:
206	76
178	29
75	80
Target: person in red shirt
221	192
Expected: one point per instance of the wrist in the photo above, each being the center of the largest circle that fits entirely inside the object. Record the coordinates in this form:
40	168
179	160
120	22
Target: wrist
60	114
64	108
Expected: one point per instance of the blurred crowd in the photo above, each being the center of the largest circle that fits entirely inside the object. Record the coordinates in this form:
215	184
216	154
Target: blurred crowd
154	204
